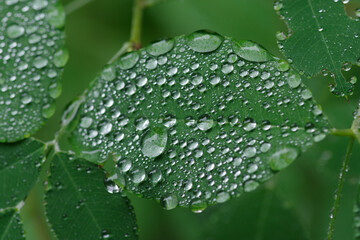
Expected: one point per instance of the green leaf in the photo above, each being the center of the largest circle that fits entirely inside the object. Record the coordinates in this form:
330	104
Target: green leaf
79	207
10	225
19	170
197	119
321	37
32	57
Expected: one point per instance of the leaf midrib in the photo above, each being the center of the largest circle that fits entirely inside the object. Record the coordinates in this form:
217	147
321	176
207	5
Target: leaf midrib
323	40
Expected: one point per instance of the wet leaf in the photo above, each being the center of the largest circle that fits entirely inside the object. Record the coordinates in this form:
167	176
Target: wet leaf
357	216
32	57
10	225
19	170
321	37
79	207
196	120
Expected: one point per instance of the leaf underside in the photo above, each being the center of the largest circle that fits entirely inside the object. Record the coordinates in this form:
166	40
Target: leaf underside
19	170
32	57
79	207
321	37
196	120
10	225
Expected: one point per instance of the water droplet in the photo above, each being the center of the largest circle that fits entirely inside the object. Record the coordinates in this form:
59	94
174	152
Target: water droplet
198	206
283	158
203	41
282	65
142	81
294	80
227	68
250	152
160	48
141	123
61	57
109	73
306	94
40	62
250	185
26	99
106	128
15	31
222	197
55	90
249	124
39	4
251	51
280	36
128	60
278	6
86	122
215	80
138	175
155	176
154	142
151	64
124	165
169	202
357	12
56	16
205	123
197	79
48	110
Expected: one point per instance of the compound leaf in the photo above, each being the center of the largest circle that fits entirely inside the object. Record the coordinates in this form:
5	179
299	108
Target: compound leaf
19	170
197	119
79	207
321	37
32	57
10	225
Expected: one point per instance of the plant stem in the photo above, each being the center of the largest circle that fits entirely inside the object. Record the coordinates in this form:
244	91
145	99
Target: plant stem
342	132
339	188
135	37
75	5
356	124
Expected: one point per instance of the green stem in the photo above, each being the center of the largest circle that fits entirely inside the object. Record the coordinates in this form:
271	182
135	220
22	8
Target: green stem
75	5
342	132
135	37
339	188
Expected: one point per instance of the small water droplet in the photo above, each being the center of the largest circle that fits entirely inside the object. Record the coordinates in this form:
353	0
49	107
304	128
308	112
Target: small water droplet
250	185
222	197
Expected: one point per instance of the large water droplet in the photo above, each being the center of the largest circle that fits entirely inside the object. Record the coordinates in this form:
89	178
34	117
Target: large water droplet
154	142
128	60
283	158
56	16
142	123
61	57
40	62
86	122
138	175
203	41
251	51
222	197
160	48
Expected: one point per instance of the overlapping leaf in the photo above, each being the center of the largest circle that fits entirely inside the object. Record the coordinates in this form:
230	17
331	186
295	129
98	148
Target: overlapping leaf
321	37
79	207
32	56
197	119
10	225
19	170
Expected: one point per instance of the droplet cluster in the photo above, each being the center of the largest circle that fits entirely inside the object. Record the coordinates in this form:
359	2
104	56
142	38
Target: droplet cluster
32	56
197	120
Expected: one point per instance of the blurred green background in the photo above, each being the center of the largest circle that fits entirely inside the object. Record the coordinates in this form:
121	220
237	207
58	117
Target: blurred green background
293	205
